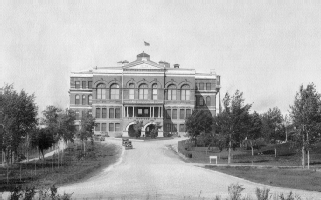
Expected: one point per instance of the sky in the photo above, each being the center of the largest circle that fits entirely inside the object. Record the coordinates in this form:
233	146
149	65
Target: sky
265	49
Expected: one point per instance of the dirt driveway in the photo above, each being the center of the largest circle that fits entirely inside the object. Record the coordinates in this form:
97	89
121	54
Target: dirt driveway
152	171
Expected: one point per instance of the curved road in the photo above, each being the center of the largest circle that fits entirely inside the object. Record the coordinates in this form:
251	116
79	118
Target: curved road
152	171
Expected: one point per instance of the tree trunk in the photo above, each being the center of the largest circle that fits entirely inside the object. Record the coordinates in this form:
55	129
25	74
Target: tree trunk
308	159
229	152
303	157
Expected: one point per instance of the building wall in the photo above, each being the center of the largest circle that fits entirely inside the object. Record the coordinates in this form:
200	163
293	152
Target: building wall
163	77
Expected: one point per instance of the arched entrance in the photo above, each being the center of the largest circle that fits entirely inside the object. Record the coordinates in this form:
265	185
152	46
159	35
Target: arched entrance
148	130
131	131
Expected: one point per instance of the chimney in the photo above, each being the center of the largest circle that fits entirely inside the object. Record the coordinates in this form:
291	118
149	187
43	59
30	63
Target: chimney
176	65
212	72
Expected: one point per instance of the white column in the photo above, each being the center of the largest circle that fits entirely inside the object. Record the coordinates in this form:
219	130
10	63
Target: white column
134	111
150	112
127	111
153	111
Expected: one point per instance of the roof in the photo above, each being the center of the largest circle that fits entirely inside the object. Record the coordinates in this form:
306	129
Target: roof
143	55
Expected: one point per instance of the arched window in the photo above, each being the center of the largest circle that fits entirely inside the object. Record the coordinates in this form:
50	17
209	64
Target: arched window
131	91
83	101
77	99
171	92
208	101
143	91
185	93
201	101
90	99
154	97
114	91
101	91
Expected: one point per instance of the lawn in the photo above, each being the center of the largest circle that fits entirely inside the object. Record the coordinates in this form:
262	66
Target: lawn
75	166
290	178
286	155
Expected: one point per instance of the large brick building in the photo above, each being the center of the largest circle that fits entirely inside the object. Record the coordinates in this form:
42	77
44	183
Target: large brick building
142	90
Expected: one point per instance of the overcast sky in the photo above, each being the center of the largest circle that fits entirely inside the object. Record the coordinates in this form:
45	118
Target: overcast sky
266	50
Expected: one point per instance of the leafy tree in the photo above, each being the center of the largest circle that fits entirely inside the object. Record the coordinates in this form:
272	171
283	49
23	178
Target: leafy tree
42	139
154	130
272	125
67	128
254	130
86	128
306	116
19	118
138	128
233	121
200	121
60	123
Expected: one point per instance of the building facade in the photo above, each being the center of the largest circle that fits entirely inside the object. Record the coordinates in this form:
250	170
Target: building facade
143	90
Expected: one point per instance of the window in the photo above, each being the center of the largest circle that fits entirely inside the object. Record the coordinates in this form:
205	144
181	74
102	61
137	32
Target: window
208	101
83	84
168	113
181	128
174	114
90	84
196	86
201	101
83	100
154	91
77	99
171	92
140	111
117	127
143	91
104	112
185	93
201	86
77	84
208	86
97	112
83	113
111	113
101	91
168	127
111	127
97	127
131	91
174	128
90	99
114	91
117	113
181	113
188	113
90	113
77	115
104	127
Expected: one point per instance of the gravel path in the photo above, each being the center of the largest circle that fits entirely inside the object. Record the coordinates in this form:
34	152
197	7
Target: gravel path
152	171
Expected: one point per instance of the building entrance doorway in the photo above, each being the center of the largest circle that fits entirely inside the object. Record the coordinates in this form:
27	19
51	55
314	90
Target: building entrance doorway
148	130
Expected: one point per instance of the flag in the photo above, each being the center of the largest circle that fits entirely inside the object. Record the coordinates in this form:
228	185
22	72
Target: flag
146	43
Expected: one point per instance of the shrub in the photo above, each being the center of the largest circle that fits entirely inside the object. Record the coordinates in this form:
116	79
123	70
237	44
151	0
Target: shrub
262	194
234	191
43	194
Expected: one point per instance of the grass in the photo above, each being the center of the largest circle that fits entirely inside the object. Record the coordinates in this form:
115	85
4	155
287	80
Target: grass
75	167
290	178
286	156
